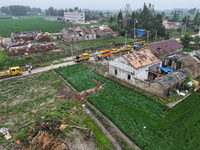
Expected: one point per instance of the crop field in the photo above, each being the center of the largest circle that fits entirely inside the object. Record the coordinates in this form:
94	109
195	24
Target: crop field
2	57
81	77
35	107
30	23
148	124
17	25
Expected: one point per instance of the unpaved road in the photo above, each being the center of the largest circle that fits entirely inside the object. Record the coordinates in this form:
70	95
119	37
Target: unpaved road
34	71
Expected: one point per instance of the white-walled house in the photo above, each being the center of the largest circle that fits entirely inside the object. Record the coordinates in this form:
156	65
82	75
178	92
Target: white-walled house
137	65
78	33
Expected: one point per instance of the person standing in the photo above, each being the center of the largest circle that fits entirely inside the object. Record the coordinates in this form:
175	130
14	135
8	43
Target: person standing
51	66
29	70
30	66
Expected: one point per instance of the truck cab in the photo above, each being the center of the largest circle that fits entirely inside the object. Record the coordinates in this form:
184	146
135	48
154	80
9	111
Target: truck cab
126	48
15	71
104	53
83	57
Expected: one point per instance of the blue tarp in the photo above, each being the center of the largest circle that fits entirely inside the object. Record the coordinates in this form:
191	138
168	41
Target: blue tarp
136	46
166	69
140	32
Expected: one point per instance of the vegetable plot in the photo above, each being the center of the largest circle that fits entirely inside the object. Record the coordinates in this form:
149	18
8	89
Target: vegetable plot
149	124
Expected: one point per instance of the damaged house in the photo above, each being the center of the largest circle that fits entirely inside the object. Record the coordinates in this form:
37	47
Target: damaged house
76	34
183	60
139	69
103	31
36	36
165	48
32	48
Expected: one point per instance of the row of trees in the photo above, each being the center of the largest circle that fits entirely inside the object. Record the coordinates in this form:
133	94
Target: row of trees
145	18
18	10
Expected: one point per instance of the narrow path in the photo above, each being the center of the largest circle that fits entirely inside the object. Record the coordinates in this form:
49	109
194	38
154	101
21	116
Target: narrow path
116	129
39	70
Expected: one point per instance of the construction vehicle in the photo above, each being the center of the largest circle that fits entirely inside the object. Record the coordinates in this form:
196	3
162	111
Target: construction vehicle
13	71
126	48
83	57
140	42
114	51
103	54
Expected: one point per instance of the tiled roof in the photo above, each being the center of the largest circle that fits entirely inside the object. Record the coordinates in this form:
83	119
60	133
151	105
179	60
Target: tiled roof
141	58
171	79
78	30
165	46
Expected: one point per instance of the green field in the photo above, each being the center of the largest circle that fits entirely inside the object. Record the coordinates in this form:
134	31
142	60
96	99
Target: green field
150	125
31	23
16	25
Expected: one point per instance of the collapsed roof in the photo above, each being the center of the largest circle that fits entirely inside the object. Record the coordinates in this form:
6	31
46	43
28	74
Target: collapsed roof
142	58
171	79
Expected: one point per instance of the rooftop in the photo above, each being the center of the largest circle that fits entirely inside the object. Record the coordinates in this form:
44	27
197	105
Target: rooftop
171	79
165	46
141	58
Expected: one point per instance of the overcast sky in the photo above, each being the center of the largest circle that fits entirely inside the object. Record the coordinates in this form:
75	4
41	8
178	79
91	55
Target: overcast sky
103	4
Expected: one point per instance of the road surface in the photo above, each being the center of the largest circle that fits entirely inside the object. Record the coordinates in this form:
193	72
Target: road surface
34	71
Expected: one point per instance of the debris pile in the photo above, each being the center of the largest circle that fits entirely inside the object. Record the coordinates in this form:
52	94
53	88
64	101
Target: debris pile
5	133
84	94
46	142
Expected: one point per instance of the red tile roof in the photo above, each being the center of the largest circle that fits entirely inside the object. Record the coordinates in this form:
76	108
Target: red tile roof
165	46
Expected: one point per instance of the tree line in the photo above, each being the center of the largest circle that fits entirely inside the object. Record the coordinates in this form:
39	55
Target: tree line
18	10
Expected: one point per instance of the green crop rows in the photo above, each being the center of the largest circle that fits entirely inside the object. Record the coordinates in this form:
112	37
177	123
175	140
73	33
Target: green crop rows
81	77
150	125
17	25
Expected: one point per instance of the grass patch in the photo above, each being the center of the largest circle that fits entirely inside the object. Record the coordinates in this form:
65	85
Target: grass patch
102	143
187	50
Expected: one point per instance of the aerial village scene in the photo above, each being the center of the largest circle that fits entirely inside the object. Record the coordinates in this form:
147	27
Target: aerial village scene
99	75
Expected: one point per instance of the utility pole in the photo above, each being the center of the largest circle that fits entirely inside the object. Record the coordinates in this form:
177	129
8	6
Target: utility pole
135	21
125	36
156	35
148	37
71	48
186	24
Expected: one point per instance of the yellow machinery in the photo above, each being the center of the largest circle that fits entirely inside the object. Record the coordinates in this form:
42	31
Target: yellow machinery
13	71
83	57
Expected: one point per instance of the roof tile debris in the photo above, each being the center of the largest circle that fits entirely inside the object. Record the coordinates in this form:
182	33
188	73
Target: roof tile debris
141	58
196	56
171	79
165	46
78	31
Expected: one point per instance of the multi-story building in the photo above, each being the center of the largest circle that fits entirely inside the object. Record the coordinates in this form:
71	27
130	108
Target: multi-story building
75	17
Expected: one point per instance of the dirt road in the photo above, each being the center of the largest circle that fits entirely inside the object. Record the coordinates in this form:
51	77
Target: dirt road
34	71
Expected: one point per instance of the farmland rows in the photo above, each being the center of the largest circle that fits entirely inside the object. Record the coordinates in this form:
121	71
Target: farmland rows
36	95
149	124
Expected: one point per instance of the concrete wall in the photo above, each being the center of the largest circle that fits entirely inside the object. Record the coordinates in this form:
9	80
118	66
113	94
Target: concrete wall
188	61
22	51
162	56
